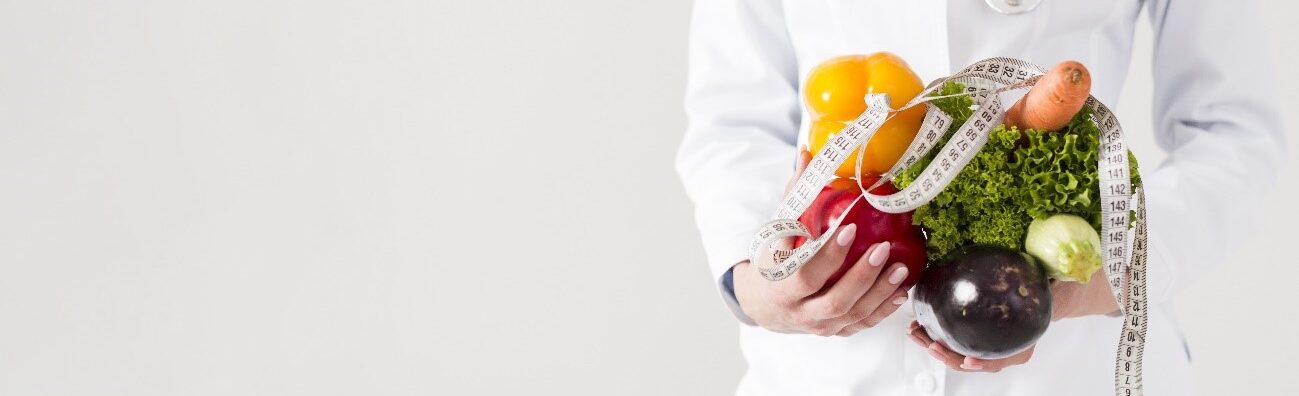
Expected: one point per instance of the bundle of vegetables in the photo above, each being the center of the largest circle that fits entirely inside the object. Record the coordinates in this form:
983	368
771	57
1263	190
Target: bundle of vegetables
833	95
1020	176
1026	208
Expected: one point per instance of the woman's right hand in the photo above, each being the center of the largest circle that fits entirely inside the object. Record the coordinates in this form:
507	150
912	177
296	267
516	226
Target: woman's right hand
806	302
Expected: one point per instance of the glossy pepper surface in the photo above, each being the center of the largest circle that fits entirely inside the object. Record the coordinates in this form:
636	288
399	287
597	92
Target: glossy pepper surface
835	94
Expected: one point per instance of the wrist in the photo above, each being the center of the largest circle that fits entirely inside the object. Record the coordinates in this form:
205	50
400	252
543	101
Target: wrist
728	281
742	278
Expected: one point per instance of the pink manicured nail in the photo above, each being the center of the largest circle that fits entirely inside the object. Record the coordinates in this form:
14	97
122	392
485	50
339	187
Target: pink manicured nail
899	301
898	275
846	235
880	254
970	366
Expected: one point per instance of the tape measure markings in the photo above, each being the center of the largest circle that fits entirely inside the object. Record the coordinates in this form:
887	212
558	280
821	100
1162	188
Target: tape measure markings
984	81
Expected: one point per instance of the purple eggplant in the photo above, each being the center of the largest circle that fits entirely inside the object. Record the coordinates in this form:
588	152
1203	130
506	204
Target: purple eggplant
985	302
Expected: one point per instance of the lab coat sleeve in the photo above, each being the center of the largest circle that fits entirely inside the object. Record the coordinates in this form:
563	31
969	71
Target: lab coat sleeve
742	109
1216	115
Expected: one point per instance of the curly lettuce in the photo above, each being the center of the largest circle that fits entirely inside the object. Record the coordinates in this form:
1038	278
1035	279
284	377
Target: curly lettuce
1018	176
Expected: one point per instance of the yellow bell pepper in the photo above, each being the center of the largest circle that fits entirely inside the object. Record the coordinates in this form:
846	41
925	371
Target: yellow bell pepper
835	94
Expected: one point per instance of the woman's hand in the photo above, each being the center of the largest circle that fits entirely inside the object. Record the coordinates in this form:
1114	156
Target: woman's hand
1068	300
958	362
807	302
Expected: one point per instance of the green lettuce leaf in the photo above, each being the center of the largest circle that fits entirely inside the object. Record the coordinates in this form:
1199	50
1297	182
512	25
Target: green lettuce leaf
1017	176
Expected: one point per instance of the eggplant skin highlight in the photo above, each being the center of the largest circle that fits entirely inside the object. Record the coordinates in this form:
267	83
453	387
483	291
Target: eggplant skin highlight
985	302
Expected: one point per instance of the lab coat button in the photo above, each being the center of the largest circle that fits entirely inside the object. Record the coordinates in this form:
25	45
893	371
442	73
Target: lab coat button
924	382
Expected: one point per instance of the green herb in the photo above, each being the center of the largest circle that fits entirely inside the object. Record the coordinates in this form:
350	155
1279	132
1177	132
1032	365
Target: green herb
1018	176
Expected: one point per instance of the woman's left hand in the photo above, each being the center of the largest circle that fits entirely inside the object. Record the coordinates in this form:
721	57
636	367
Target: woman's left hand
1068	300
958	362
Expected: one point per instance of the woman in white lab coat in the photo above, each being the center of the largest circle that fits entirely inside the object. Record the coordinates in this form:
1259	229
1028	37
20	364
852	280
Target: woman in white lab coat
1213	112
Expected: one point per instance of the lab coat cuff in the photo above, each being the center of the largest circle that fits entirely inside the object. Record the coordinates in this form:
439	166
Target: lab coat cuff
722	258
726	288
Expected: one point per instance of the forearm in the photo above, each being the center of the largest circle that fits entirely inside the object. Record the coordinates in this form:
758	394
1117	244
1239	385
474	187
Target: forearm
1073	299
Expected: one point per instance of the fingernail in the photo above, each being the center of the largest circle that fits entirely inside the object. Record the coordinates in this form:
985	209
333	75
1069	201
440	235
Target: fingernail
846	235
971	366
898	275
899	301
880	254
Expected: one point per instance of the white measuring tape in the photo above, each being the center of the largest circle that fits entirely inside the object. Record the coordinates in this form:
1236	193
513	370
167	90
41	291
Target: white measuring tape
984	81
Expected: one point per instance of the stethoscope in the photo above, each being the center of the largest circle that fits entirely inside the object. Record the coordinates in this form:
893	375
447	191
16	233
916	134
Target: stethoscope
1011	7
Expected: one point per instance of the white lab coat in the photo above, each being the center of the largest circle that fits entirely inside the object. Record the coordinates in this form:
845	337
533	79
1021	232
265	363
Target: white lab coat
1214	114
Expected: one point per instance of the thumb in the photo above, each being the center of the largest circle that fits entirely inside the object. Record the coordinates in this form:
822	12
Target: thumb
800	165
804	157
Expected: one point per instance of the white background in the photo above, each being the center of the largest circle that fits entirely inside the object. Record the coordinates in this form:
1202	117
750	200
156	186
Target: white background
410	197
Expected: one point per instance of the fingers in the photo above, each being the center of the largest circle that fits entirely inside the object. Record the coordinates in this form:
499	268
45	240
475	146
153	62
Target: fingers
953	360
918	334
878	302
809	279
884	287
937	350
800	165
882	311
956	361
804	157
841	298
996	365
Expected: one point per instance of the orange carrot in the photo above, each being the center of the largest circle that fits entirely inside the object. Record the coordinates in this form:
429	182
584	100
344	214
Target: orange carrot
1054	100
